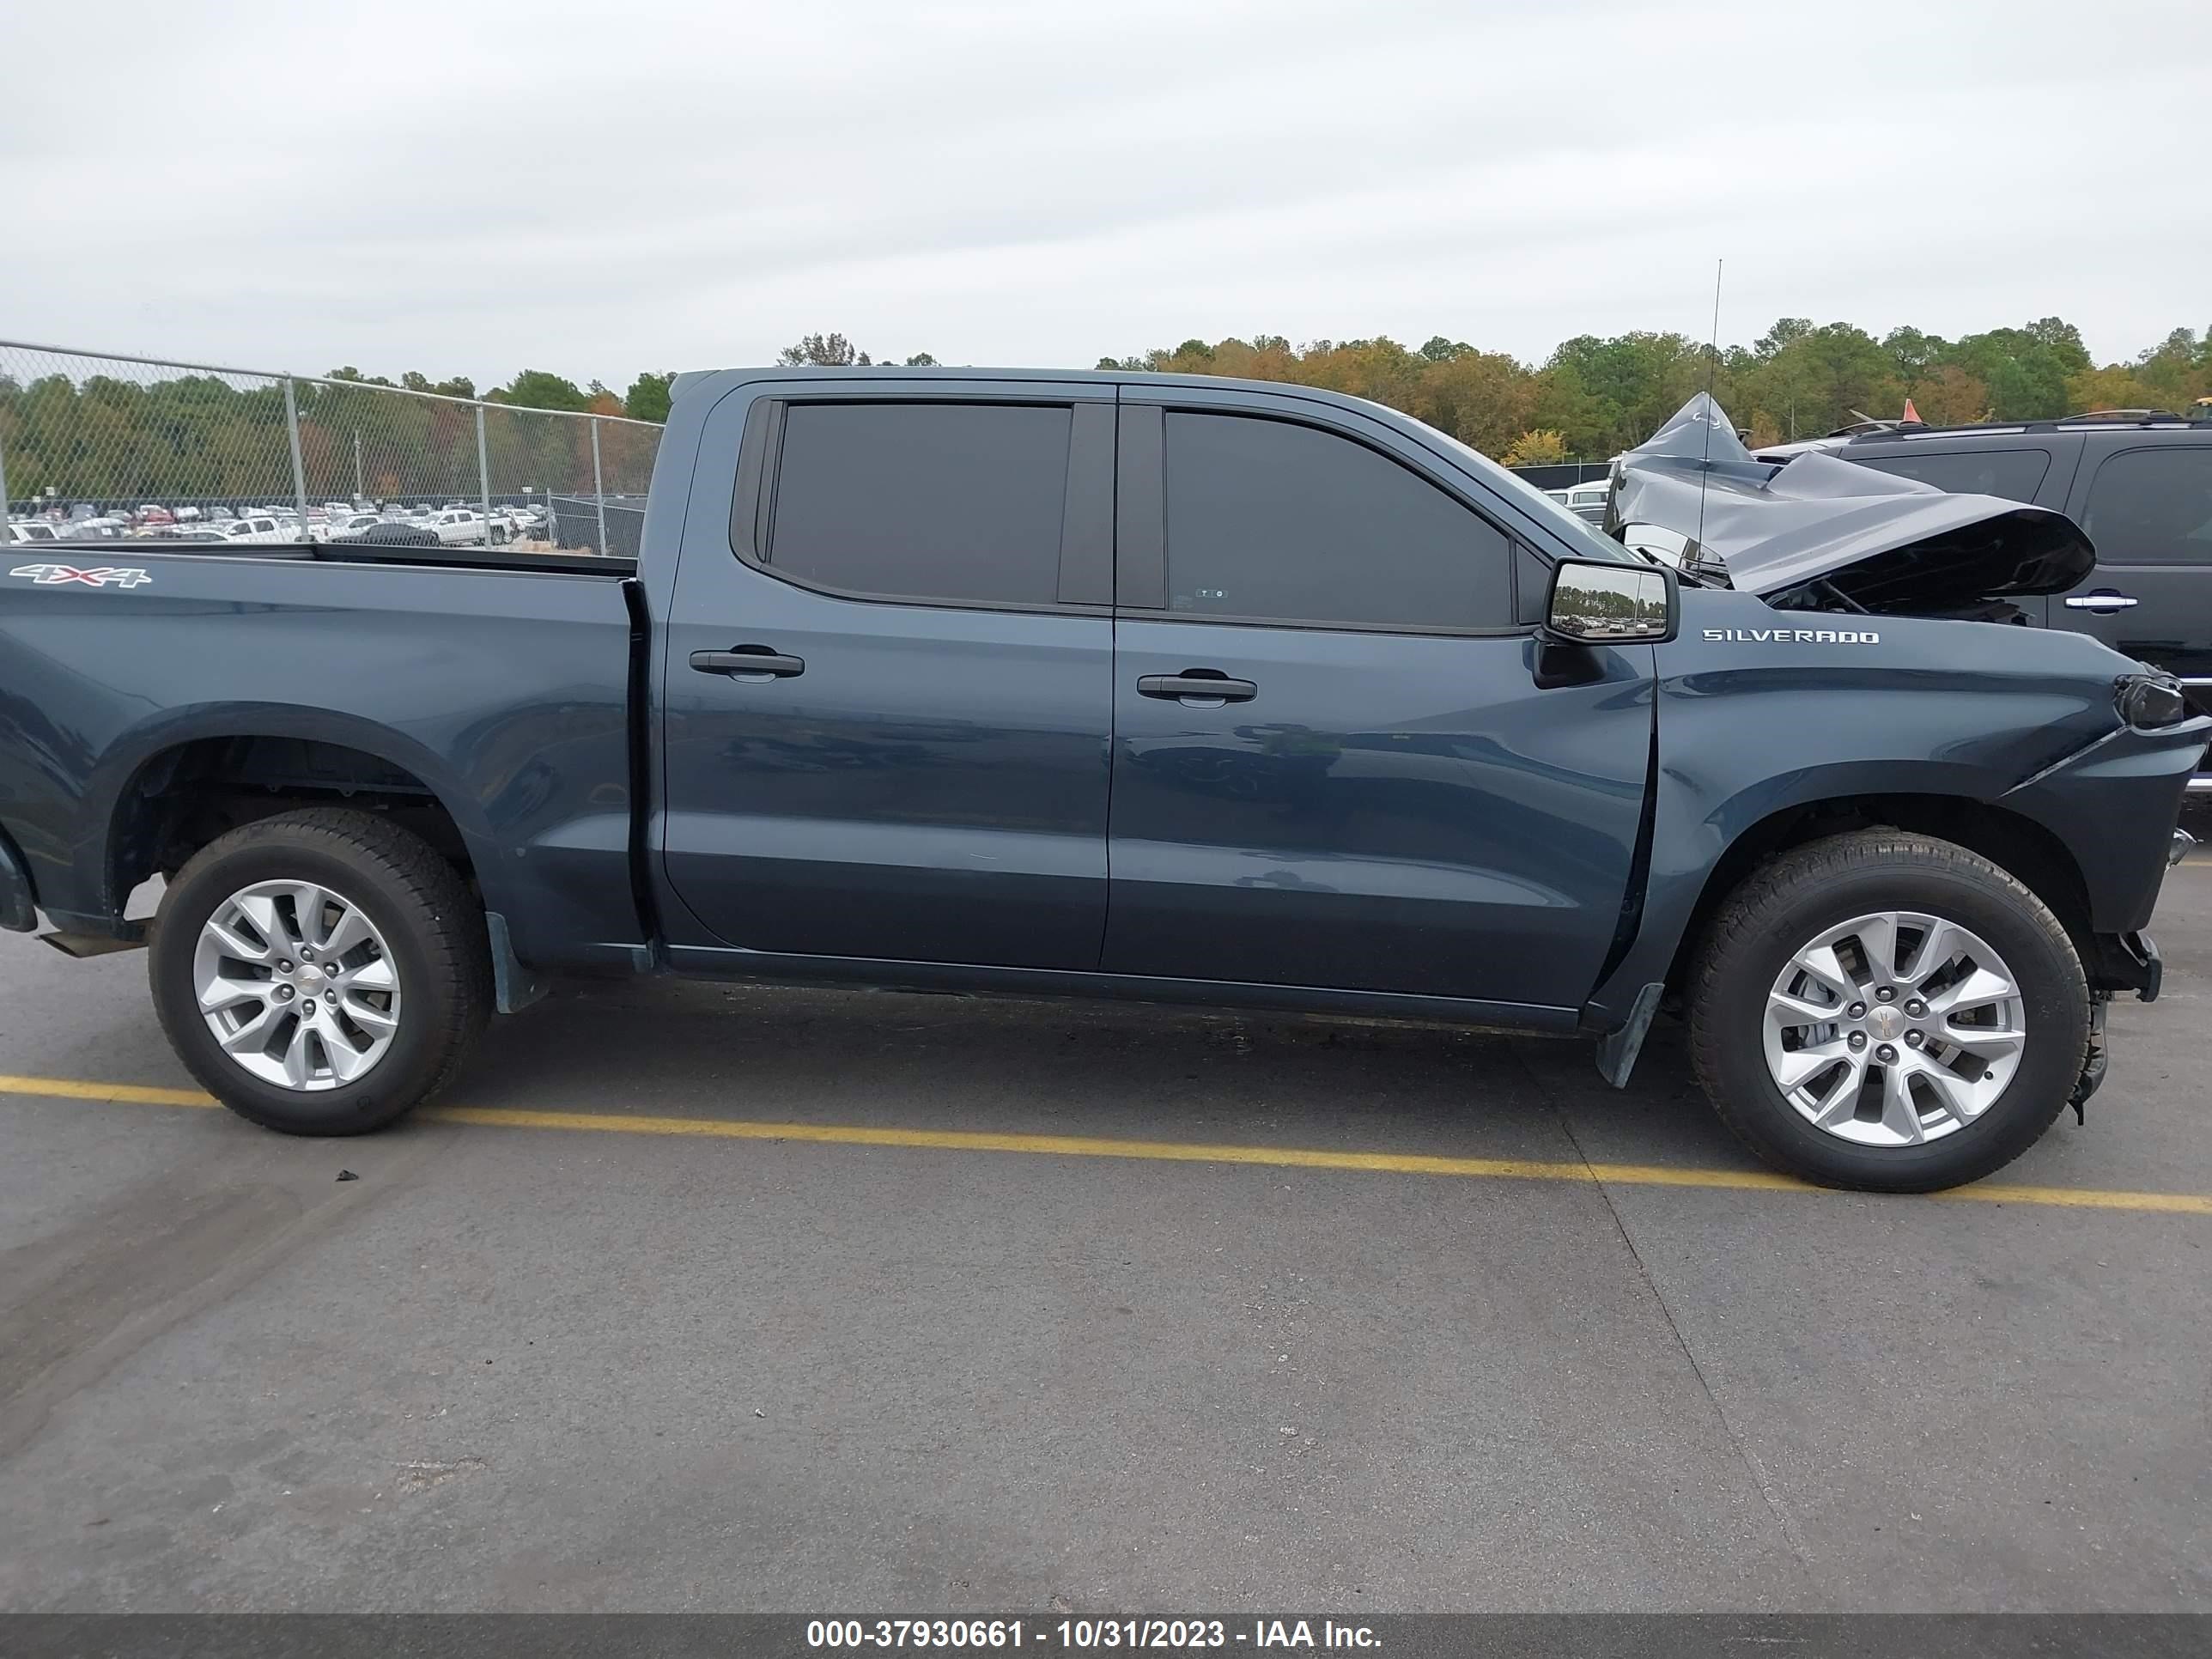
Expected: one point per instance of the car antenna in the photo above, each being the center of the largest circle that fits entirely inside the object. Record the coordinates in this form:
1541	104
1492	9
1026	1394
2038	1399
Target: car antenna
1712	369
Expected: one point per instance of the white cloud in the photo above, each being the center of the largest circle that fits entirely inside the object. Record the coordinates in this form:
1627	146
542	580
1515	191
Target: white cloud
477	187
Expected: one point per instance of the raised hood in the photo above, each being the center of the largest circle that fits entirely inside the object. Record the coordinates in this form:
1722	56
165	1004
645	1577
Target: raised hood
1821	532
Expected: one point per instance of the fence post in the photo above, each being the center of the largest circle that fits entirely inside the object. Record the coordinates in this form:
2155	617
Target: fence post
599	486
4	489
299	469
483	474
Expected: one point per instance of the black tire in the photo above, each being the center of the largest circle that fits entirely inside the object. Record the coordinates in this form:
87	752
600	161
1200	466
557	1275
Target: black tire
1824	883
432	924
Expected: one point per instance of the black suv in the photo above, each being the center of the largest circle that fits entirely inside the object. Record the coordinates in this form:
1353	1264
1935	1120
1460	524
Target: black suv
2142	490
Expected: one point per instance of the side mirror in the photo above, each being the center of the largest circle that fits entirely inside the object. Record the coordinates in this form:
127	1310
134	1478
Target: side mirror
1597	602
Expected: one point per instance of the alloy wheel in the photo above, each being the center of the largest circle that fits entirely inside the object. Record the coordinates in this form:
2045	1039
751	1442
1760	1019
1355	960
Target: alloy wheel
1894	1029
297	985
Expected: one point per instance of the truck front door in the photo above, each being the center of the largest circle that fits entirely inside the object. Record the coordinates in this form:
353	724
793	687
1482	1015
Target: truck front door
1335	764
888	689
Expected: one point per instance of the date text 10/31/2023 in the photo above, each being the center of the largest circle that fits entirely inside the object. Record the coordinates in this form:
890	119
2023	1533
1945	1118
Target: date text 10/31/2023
1290	1635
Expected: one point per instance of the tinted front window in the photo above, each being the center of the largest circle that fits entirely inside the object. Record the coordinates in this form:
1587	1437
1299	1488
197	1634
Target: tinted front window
1268	520
1586	541
2152	506
952	501
2014	474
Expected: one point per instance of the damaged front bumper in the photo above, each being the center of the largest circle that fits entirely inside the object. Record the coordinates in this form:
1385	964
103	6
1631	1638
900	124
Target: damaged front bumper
2125	962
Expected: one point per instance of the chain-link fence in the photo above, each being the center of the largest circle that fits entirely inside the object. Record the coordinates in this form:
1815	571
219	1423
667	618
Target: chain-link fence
98	445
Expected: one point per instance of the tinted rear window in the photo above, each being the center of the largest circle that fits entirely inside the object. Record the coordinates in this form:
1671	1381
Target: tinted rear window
2152	506
2014	474
949	501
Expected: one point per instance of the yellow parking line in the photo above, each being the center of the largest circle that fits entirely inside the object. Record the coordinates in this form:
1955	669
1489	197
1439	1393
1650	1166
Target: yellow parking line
135	1094
1178	1152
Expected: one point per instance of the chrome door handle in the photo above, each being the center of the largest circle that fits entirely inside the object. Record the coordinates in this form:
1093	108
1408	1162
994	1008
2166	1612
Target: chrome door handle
2103	601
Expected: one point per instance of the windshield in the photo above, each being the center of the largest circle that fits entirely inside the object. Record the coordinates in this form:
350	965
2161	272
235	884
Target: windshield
1587	541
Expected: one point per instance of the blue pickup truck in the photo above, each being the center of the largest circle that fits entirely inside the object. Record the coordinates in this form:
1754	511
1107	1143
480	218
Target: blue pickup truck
1111	685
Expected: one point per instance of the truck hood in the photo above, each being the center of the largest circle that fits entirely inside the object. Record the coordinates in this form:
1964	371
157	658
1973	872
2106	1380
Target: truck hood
1853	537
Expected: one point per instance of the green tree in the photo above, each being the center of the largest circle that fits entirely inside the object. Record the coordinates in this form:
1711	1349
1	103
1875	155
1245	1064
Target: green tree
2119	387
1486	399
647	397
2179	367
538	388
1815	380
820	351
1916	356
1785	330
1633	381
2026	369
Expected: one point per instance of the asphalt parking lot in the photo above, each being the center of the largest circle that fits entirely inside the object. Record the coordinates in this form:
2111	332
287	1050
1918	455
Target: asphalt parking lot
1033	1312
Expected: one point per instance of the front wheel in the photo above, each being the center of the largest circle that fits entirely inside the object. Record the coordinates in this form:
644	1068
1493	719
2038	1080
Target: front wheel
321	972
1888	1011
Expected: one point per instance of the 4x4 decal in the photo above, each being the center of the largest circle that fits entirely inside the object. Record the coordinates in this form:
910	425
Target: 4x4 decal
53	575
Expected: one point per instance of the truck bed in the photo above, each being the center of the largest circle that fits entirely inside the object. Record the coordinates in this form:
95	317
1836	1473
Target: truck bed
497	684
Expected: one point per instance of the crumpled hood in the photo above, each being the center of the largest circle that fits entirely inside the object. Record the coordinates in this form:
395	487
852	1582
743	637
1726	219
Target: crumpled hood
1882	544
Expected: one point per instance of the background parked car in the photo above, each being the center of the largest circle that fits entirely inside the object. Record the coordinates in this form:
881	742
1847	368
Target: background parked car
458	527
1587	501
260	529
383	532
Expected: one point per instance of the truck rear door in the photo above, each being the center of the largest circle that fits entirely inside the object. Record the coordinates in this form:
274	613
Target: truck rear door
889	693
1334	765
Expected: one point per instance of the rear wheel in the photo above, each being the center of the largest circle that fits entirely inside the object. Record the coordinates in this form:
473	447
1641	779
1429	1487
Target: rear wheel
1889	1012
321	972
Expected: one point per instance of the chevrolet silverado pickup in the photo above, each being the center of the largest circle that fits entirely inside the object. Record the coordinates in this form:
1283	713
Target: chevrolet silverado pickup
1117	686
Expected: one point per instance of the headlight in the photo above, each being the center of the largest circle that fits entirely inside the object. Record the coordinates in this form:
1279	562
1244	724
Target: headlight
2149	702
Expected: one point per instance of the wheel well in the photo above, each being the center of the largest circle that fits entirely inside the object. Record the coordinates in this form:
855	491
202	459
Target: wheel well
2017	845
186	797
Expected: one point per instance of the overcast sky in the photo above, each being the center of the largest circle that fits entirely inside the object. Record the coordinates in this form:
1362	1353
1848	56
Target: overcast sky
476	187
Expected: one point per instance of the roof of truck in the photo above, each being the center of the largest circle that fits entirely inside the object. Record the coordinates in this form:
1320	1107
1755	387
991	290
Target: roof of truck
878	373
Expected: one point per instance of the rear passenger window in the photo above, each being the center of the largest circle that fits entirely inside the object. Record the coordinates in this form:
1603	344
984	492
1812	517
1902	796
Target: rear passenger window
1277	522
2014	474
956	502
2152	506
